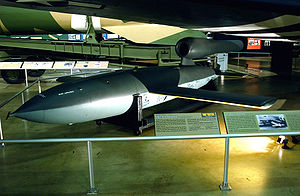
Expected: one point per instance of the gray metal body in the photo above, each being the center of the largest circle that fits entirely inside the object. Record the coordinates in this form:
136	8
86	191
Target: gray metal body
192	48
104	95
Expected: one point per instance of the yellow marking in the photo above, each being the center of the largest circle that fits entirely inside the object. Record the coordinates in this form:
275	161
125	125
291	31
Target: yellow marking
208	114
10	65
3	27
220	102
139	32
36	38
63	20
39	30
51	36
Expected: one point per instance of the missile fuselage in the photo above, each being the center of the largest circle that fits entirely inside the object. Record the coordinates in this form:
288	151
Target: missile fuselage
107	95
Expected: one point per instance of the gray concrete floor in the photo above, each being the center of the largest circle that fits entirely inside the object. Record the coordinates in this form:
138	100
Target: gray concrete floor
257	166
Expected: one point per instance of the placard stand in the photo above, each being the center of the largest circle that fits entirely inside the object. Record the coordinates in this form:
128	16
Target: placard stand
225	186
1	134
92	190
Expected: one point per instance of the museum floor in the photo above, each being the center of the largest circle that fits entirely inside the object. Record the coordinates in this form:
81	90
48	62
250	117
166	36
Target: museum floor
257	166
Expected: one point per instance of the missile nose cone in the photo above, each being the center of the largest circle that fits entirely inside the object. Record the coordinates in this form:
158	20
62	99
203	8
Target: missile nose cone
20	114
30	110
10	115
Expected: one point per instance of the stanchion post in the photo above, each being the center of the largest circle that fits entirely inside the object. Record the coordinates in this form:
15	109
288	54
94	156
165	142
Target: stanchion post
26	84
23	98
225	186
39	85
92	189
26	78
1	134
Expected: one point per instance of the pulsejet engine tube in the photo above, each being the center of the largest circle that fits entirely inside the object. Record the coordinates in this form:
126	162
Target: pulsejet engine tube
193	48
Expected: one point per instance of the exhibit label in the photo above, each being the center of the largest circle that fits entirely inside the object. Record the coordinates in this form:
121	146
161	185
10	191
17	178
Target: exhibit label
186	124
262	121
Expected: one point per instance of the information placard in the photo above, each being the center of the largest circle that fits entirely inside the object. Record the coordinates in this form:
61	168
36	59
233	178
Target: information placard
186	124
37	65
91	65
10	65
63	64
262	121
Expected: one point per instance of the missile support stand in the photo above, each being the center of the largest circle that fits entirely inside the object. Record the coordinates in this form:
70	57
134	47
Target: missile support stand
133	118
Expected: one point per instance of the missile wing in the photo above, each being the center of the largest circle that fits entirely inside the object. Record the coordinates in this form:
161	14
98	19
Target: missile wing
258	102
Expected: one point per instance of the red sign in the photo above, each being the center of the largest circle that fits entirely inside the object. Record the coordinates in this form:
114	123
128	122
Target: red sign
254	44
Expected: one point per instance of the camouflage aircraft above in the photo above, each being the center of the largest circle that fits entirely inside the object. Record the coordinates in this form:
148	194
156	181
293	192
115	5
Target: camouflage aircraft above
19	21
41	24
268	19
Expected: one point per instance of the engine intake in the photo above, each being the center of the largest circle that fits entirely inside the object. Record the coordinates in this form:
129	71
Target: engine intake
193	48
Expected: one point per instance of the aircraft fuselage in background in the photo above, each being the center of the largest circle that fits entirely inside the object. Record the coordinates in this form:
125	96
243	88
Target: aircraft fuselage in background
257	18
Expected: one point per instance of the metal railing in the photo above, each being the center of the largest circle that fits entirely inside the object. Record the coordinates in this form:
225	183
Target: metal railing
224	186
